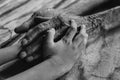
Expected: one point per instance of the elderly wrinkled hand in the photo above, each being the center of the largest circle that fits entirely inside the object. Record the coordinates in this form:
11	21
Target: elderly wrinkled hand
65	47
68	48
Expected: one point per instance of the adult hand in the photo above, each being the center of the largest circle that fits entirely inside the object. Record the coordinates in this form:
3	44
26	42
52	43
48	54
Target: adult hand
70	42
63	54
34	36
68	48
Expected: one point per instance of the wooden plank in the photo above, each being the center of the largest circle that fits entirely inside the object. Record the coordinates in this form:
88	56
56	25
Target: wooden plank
11	5
25	9
4	2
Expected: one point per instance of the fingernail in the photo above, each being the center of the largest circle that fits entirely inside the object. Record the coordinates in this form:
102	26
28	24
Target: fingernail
23	54
24	42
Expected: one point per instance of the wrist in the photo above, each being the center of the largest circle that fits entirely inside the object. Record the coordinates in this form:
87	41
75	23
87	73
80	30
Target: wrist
58	61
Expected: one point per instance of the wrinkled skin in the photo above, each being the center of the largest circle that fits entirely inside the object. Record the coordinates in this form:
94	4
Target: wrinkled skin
30	24
30	52
66	45
35	28
64	54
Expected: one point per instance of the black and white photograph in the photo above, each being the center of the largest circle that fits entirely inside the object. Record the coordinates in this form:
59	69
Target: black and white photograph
59	39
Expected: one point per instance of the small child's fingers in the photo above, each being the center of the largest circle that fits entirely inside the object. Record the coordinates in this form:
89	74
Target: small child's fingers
30	49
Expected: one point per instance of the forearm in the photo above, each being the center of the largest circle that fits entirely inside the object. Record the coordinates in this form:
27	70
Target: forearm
84	7
48	70
9	53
